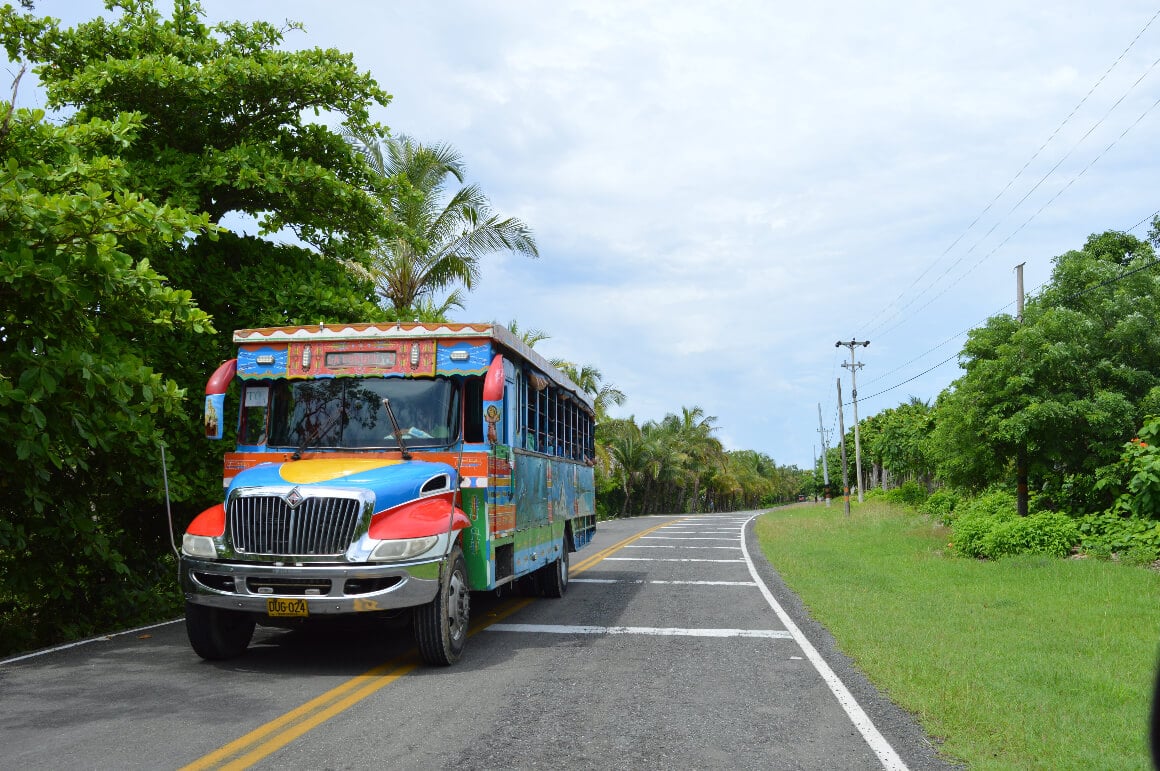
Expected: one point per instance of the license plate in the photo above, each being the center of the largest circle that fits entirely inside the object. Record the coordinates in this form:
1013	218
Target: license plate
283	607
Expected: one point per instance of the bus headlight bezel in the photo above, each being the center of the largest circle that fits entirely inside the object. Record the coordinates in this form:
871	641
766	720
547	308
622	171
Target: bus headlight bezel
396	550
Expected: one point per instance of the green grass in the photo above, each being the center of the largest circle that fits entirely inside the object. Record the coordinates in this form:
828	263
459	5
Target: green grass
1029	662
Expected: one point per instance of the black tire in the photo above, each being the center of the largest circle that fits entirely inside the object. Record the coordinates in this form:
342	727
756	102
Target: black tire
441	625
554	576
217	633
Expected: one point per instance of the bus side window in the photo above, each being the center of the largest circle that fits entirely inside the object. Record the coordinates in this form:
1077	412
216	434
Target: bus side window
255	403
473	409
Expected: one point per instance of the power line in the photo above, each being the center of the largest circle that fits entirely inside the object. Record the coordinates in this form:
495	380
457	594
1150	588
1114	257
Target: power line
1072	296
1028	221
1019	174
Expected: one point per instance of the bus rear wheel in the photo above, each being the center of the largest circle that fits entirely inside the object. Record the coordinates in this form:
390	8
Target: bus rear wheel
441	625
554	577
216	633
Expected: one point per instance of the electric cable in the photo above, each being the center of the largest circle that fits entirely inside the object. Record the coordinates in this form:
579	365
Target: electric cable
1072	296
1028	221
987	208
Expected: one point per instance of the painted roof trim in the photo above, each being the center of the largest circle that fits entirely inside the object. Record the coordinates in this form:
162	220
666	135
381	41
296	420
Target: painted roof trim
496	332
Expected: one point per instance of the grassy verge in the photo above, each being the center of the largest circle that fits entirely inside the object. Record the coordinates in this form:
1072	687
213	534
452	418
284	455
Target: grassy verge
1019	663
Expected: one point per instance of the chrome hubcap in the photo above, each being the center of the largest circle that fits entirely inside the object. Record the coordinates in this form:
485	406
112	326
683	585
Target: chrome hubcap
458	599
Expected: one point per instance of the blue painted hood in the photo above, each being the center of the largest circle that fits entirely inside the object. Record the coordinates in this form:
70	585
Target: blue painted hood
393	482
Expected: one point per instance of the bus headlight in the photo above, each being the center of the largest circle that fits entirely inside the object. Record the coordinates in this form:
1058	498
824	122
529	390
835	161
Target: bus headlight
403	548
198	546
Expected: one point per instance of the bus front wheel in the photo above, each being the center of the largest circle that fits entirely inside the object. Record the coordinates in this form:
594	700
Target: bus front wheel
441	625
217	633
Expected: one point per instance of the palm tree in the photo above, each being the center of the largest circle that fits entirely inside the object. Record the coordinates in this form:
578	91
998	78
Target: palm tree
630	462
529	336
591	381
448	232
694	431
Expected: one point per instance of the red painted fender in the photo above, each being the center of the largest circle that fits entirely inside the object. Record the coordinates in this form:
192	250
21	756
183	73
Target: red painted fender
417	519
211	522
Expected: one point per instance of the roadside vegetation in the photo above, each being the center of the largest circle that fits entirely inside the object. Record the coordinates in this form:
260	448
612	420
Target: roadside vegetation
1064	404
1026	661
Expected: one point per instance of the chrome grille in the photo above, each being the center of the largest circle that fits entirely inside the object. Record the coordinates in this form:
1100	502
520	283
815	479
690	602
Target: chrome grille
266	524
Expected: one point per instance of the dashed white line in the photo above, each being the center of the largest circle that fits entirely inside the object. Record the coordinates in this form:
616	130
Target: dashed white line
670	583
671	546
772	634
664	559
687	538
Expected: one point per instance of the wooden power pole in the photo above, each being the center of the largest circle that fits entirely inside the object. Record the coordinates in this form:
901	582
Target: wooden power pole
1021	453
845	465
853	367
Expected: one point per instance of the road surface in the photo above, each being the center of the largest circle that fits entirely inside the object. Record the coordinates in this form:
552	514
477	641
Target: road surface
676	646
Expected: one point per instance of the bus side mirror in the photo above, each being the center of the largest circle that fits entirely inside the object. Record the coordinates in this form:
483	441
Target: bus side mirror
493	381
493	384
215	398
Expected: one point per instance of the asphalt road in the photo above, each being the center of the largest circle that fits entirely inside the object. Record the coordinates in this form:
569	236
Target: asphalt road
676	646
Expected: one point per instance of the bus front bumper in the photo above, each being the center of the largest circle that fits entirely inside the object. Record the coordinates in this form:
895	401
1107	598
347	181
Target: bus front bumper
325	589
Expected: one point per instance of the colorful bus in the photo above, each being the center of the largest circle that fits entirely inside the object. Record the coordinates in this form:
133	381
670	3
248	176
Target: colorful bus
386	467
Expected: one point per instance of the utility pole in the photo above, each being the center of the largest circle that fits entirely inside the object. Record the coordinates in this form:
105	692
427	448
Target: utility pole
845	465
853	367
1021	453
825	466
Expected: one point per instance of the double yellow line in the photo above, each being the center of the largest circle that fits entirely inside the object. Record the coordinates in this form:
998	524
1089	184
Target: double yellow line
267	739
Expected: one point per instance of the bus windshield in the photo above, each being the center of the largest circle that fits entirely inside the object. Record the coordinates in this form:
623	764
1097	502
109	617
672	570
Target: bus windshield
339	413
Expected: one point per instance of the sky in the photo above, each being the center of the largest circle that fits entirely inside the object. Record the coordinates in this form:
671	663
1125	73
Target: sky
721	191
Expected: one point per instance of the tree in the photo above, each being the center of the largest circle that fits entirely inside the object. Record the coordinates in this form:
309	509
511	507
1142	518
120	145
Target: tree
443	234
1070	384
529	336
218	124
895	439
223	113
590	379
222	129
79	403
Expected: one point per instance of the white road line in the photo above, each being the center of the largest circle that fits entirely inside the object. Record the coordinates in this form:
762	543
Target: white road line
669	583
672	546
886	753
687	538
772	634
724	533
664	559
101	638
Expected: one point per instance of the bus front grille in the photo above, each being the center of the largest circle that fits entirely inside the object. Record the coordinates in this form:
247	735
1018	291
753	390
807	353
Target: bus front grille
267	525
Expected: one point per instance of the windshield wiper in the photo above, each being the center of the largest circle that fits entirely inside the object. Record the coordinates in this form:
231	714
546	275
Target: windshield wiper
312	436
306	442
395	427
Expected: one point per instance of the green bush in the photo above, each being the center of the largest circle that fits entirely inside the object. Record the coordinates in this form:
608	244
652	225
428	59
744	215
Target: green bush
1049	533
1135	540
970	532
993	503
988	527
909	494
1135	479
941	505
